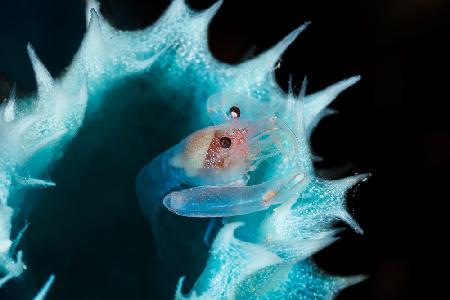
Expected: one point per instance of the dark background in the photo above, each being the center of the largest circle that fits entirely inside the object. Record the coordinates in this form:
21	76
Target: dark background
393	124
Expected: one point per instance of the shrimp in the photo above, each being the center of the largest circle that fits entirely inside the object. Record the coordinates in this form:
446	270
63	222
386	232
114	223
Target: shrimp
206	175
215	163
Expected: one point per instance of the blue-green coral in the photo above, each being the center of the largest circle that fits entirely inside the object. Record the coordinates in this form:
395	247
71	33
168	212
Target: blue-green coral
263	255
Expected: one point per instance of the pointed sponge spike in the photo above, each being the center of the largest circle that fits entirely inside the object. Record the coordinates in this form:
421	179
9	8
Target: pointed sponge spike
347	218
36	182
91	5
346	183
304	157
9	112
45	289
264	63
44	80
200	22
315	103
342	186
210	12
17	239
94	34
274	53
8	109
89	60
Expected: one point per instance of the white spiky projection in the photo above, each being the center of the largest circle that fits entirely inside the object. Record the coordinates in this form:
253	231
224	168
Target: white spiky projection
264	255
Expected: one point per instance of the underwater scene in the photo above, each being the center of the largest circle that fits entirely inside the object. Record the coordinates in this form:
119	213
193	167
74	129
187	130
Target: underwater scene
221	149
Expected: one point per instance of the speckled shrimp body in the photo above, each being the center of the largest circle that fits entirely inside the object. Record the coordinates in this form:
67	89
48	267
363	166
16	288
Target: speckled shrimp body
216	162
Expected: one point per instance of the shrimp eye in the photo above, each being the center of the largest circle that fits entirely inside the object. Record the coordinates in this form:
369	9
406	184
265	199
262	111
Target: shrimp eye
225	142
235	112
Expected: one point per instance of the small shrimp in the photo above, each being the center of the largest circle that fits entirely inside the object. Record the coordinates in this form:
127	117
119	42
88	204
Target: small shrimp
215	162
206	174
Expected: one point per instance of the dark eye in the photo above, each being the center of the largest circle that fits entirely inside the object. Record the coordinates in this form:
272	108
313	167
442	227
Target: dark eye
225	142
235	112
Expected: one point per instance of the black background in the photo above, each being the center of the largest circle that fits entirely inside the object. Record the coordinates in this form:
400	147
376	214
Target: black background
393	124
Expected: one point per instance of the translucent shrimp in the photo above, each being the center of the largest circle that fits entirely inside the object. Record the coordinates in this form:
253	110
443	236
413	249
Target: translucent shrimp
214	172
215	163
